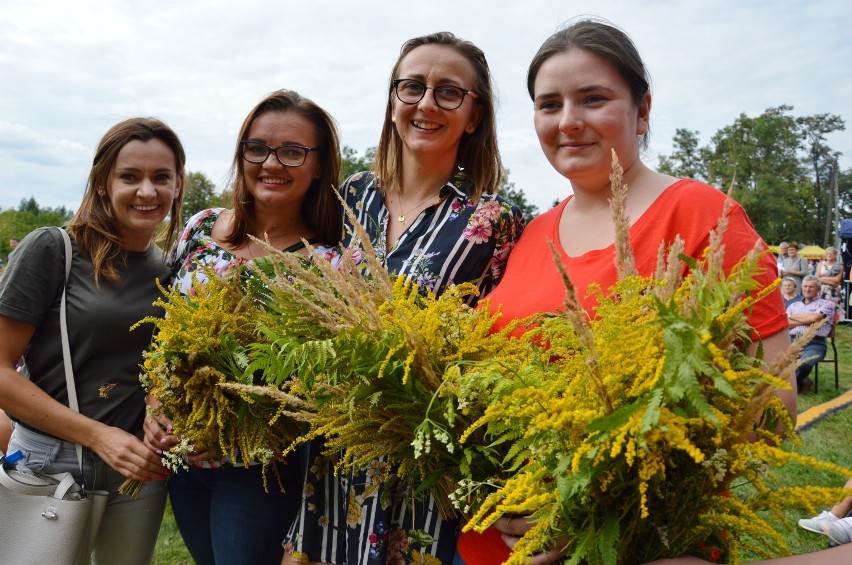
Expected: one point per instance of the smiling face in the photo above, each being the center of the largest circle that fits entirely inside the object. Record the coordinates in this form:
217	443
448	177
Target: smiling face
583	110
424	127
271	183
142	185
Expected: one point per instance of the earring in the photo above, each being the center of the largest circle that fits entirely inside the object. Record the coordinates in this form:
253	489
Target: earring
470	129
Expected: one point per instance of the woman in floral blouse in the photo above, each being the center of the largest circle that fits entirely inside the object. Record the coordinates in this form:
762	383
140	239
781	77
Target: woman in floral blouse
286	165
431	213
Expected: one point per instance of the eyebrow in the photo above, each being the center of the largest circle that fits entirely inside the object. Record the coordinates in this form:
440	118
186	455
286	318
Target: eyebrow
422	78
581	90
137	169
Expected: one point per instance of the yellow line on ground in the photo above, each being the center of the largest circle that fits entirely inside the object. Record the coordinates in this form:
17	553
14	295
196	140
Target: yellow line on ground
814	413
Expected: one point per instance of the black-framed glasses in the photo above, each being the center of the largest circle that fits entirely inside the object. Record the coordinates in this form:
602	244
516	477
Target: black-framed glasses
447	96
289	154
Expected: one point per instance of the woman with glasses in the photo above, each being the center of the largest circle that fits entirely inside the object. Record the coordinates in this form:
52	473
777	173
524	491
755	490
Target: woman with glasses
286	164
431	213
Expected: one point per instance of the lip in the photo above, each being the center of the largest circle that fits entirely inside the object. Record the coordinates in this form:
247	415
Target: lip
272	181
145	209
576	146
425	125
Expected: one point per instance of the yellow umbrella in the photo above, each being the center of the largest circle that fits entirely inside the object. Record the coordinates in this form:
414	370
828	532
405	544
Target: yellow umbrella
812	252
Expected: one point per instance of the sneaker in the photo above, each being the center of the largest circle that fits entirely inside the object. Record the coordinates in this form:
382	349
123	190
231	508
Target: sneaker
840	531
815	524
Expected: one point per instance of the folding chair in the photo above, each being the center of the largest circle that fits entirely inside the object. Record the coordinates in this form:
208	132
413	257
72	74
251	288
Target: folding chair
830	357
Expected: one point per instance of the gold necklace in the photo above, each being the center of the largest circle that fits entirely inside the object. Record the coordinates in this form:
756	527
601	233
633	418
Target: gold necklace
401	217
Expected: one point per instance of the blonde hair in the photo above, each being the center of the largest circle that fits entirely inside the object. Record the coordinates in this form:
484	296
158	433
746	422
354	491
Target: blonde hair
478	154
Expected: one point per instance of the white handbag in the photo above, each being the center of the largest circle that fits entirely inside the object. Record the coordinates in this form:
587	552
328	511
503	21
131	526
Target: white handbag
50	518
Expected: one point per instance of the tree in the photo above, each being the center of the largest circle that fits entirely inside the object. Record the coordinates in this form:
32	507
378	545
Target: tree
687	159
516	196
823	162
199	193
28	216
351	162
779	166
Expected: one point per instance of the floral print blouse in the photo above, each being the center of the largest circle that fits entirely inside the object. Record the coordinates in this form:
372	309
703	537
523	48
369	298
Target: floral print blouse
361	518
196	248
453	241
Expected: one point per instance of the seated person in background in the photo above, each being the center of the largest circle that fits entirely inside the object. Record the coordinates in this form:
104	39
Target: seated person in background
835	523
789	291
800	315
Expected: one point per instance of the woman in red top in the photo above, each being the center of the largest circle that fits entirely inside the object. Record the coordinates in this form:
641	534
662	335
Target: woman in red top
591	95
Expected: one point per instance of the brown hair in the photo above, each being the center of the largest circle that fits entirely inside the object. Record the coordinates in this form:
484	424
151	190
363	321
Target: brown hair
478	153
94	227
604	40
321	208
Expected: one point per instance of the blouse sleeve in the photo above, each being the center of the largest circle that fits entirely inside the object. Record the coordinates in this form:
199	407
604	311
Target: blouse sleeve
188	240
511	225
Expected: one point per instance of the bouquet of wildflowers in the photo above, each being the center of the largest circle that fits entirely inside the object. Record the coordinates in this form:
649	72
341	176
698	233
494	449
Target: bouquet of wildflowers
380	363
650	431
199	349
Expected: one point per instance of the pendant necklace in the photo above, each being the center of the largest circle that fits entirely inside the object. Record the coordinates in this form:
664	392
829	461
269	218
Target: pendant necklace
401	217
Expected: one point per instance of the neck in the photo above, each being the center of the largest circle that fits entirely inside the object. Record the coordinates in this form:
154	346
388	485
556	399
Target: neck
592	194
282	229
136	242
423	174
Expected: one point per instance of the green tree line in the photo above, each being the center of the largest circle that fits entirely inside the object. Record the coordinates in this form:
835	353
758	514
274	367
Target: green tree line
18	222
781	168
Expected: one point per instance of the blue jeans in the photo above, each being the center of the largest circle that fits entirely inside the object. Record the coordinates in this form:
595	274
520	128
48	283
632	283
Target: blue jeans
817	349
129	529
226	517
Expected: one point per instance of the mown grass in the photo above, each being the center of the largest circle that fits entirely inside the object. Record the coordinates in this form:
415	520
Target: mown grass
827	440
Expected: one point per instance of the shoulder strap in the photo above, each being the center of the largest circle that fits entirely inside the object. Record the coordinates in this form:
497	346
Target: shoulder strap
66	346
300	245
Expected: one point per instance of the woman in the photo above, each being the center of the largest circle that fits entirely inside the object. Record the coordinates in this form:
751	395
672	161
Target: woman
591	95
789	292
431	213
793	265
136	181
829	271
286	163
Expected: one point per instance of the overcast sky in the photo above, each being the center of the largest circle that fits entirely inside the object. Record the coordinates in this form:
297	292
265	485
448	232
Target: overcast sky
69	70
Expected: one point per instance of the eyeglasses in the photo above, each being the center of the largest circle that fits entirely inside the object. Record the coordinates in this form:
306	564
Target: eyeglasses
447	96
289	155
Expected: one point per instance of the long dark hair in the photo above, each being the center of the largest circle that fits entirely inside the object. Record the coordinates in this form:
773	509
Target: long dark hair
602	39
321	208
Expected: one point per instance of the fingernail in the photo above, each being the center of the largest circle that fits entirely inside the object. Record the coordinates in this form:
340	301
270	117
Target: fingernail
159	452
169	427
163	441
161	477
147	479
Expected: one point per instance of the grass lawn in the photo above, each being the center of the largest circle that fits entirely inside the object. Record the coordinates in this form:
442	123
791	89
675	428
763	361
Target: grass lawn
828	440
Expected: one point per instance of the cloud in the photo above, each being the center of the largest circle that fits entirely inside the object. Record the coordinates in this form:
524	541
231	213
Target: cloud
71	70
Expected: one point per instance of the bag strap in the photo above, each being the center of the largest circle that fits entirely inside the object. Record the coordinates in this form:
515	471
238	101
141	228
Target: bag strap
66	346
